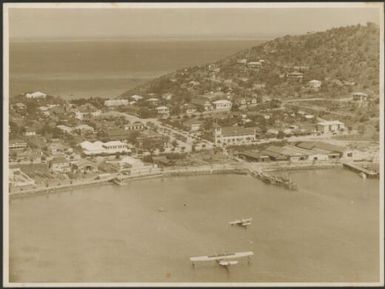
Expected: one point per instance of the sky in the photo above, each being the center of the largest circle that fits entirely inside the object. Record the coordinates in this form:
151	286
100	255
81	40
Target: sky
49	23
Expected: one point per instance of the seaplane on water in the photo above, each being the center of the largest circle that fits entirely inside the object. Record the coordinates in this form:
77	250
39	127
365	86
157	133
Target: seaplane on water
242	222
224	260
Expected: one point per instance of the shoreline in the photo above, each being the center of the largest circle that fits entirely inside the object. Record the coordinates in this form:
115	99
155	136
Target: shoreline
186	171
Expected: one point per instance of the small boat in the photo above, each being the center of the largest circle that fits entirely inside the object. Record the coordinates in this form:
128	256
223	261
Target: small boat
242	222
119	180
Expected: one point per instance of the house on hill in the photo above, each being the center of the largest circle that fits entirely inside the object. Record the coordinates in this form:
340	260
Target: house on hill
37	94
30	131
193	124
116	102
295	76
222	105
202	104
332	126
360	98
314	84
87	111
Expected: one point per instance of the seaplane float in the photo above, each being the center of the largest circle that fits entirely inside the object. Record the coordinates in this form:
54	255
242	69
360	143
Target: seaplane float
242	222
223	260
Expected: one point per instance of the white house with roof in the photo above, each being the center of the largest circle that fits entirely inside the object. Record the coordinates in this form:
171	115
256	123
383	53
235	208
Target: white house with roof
331	126
162	109
136	97
360	96
315	84
98	147
36	94
222	105
116	102
64	128
30	131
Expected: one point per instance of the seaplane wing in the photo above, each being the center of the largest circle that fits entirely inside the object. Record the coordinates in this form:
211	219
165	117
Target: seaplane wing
220	257
245	224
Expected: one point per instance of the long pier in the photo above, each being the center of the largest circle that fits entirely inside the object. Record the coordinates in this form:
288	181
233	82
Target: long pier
361	170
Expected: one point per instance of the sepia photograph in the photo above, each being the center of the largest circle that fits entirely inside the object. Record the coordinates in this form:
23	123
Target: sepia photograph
193	144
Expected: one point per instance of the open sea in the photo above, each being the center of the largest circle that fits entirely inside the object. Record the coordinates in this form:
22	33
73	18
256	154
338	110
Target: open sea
326	231
106	68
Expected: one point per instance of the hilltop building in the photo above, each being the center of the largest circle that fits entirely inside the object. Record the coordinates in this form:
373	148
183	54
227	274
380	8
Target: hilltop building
37	94
222	105
332	126
116	102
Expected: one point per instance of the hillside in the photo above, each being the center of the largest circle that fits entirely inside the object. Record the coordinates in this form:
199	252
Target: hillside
345	59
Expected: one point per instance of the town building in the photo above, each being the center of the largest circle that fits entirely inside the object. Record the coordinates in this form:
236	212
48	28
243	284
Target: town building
315	84
116	102
65	129
83	129
193	125
332	126
222	105
202	104
295	76
136	125
15	144
98	147
360	97
233	136
136	97
60	165
84	166
37	94
87	111
162	110
20	107
30	131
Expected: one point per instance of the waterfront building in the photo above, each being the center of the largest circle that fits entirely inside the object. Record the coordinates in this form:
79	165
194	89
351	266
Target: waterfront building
333	151
37	94
332	126
84	166
233	136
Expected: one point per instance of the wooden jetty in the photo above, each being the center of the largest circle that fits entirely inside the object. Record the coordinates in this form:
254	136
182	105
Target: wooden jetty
275	180
220	258
359	169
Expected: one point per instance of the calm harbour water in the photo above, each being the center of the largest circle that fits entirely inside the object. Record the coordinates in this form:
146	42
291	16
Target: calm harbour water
106	68
326	231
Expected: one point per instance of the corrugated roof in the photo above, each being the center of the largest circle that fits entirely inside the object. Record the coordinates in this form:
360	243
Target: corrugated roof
238	131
